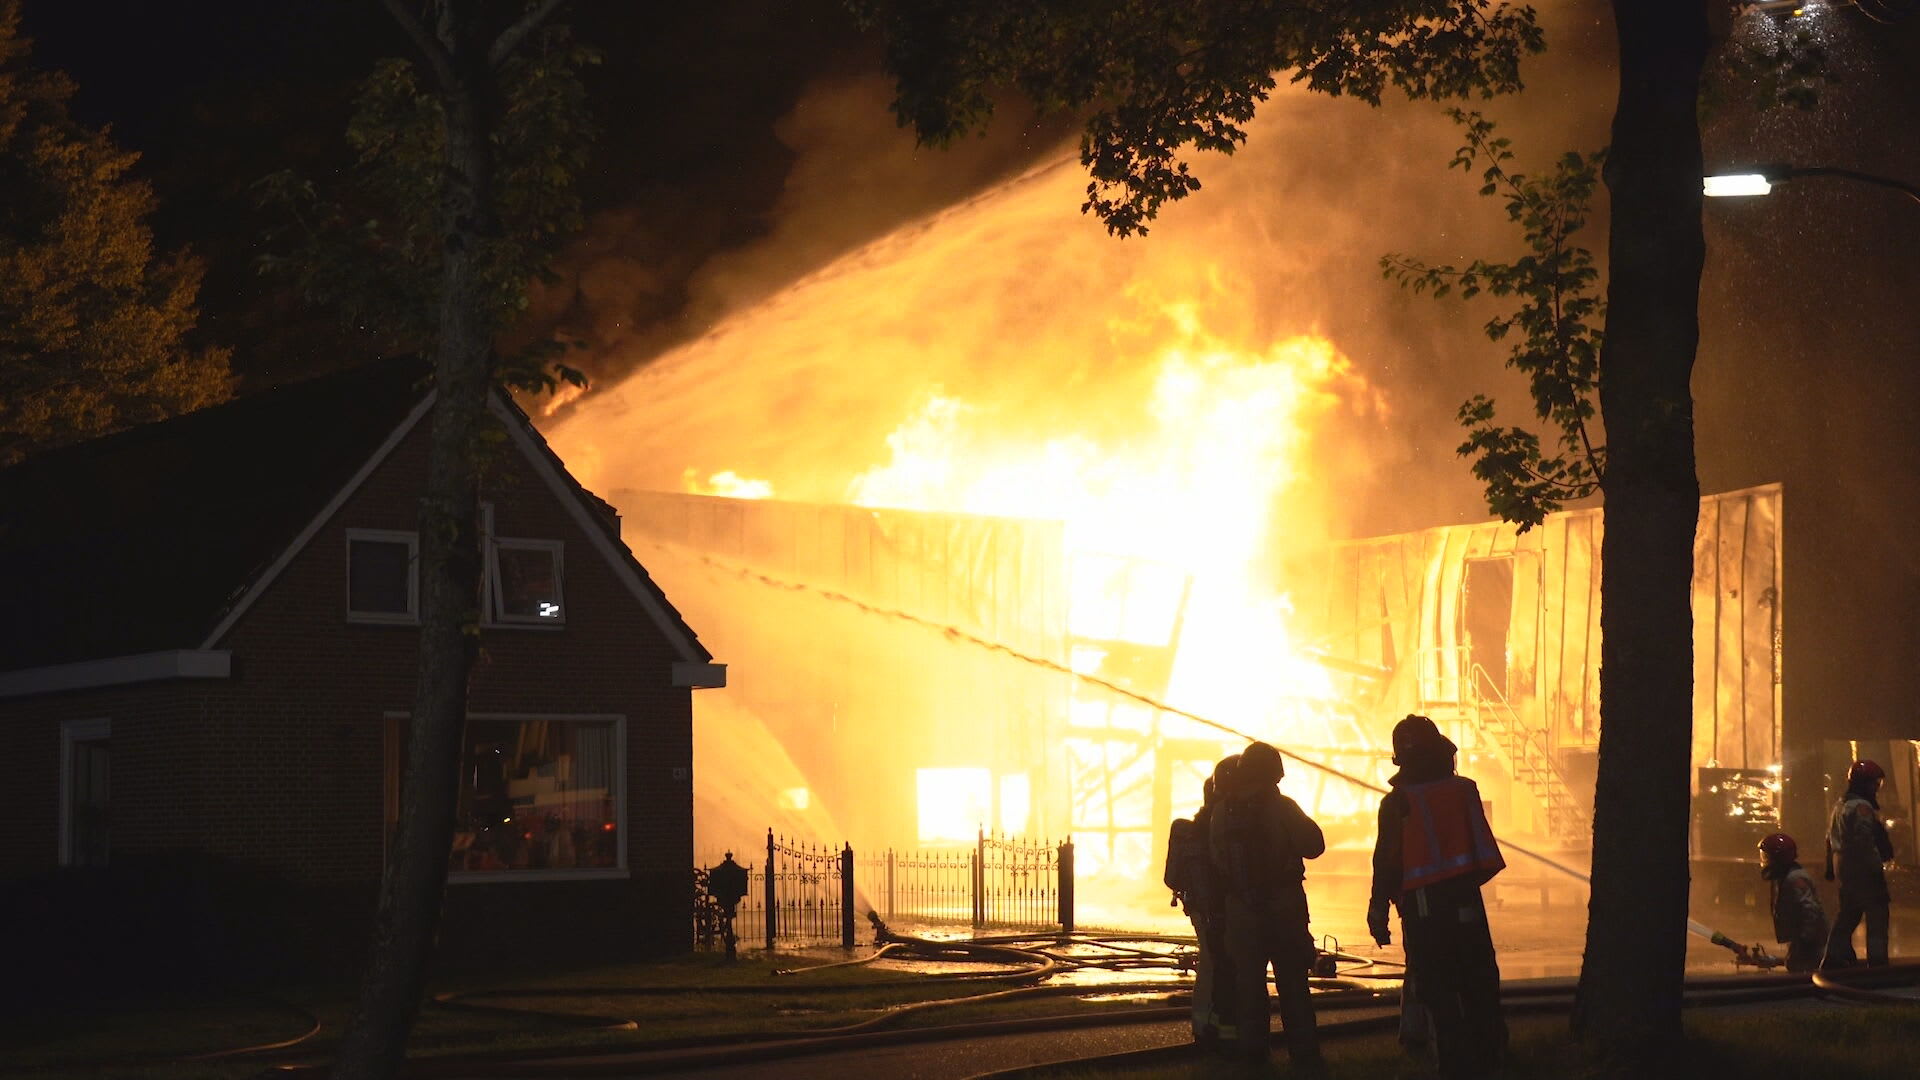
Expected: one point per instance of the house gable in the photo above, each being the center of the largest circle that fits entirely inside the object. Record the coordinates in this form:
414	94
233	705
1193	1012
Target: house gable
301	603
137	542
160	540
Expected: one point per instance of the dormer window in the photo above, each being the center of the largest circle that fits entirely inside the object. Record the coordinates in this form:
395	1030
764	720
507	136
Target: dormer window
524	579
383	583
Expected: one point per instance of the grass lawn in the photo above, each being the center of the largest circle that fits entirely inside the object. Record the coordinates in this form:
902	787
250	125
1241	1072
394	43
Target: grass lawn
1785	1042
708	999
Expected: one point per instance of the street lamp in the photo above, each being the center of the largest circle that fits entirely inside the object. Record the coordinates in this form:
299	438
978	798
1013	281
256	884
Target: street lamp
1760	180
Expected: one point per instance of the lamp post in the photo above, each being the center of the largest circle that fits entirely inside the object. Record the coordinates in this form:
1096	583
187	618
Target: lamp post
1760	181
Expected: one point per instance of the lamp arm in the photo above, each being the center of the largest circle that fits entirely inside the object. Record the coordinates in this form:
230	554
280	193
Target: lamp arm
1910	190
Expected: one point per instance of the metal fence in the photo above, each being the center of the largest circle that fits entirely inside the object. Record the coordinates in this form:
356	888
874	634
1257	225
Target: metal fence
805	894
1022	884
1001	881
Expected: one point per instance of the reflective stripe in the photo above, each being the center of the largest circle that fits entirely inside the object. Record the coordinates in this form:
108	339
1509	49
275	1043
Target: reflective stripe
1452	839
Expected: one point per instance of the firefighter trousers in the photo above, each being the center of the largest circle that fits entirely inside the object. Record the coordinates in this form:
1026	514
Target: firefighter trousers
1450	951
1213	989
1853	909
1273	932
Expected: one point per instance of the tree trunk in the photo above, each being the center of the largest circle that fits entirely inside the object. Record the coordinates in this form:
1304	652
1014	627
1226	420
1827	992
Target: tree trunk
414	884
1628	1002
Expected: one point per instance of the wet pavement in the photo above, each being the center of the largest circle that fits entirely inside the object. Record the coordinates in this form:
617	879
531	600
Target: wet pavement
1537	933
956	1060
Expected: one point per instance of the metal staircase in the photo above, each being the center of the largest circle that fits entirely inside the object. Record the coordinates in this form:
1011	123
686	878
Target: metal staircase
1528	756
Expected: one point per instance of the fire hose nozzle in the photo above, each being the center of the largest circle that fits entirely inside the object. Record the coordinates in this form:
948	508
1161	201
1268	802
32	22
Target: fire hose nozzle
1746	955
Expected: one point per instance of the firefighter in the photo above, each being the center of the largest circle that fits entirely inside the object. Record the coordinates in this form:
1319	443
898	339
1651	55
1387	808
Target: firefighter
1191	876
1857	839
1260	839
1799	922
1434	851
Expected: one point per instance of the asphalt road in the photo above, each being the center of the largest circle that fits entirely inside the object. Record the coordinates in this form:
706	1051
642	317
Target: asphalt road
957	1060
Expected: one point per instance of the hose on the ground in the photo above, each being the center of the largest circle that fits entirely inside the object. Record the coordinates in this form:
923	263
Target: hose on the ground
1034	962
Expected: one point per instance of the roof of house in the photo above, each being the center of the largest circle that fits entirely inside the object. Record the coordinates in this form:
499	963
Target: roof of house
144	540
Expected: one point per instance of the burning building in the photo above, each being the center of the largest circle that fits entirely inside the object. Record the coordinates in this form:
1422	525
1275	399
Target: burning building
921	675
1005	524
1495	633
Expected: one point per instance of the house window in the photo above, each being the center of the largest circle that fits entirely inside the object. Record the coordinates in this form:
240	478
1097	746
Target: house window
541	795
84	777
523	580
383	583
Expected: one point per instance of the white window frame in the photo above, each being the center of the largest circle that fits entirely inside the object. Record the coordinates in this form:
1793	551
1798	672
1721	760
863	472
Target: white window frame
619	871
71	732
387	536
496	617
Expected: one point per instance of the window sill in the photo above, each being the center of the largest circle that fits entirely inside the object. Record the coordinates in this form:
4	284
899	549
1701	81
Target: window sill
489	877
358	618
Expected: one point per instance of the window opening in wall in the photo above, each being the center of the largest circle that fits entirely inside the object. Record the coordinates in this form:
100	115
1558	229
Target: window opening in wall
540	794
85	778
382	581
524	578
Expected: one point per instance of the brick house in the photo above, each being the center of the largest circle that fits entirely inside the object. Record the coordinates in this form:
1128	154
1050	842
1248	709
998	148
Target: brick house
207	661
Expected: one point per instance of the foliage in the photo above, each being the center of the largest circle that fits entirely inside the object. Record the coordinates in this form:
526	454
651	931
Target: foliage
370	247
1159	77
1788	71
1559	319
93	326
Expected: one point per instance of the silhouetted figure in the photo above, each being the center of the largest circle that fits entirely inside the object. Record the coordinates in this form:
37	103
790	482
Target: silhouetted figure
1259	839
1799	922
1434	851
1857	840
1196	885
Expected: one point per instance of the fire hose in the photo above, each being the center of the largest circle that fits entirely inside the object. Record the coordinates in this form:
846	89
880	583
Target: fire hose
1032	958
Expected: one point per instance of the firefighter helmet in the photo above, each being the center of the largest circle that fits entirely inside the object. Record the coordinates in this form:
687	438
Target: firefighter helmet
1223	774
1865	768
1418	736
1260	765
1779	847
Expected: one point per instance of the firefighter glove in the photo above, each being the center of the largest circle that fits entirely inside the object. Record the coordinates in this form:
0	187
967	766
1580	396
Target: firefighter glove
1377	922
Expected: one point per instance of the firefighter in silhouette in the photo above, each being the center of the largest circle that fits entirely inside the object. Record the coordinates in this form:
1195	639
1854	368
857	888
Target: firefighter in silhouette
1260	839
1434	851
1196	886
1857	841
1799	922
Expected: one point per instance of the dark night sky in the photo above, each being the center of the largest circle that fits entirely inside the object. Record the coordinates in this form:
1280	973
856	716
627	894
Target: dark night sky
1810	329
220	92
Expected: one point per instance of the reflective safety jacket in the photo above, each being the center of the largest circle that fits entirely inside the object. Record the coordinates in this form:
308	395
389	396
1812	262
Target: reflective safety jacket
1445	834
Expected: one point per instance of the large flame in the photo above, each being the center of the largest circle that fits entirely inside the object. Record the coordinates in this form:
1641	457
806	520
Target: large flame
1169	531
1173	402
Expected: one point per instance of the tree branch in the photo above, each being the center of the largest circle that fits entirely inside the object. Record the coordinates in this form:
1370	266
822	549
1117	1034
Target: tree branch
512	36
437	55
1483	147
1407	266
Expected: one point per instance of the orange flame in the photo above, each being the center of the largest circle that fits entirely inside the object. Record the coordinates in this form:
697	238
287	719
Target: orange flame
728	483
1194	501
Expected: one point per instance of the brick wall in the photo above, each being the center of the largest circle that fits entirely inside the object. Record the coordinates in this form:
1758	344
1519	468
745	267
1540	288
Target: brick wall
283	766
